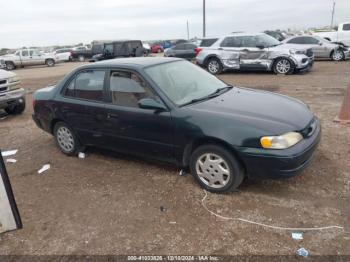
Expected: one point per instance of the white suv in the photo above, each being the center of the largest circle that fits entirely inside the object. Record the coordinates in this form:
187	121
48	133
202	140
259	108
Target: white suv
259	51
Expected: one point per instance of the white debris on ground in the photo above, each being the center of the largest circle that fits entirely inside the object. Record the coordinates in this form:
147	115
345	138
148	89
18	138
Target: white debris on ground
44	168
11	160
9	153
297	236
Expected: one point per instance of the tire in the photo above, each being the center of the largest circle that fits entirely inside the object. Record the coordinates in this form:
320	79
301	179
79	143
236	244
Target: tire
216	177
17	109
10	65
50	62
338	55
214	66
283	66
66	140
81	58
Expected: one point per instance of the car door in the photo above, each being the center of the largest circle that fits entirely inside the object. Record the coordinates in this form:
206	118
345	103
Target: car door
252	53
83	106
131	128
179	51
36	58
319	49
229	50
190	51
25	57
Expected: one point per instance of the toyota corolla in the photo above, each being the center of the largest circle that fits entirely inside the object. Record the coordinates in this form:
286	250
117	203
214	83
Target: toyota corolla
172	110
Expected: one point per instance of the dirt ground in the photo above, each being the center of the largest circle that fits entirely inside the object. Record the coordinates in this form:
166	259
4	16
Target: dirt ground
111	204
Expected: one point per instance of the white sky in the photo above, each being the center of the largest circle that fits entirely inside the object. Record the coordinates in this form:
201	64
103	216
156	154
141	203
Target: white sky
49	22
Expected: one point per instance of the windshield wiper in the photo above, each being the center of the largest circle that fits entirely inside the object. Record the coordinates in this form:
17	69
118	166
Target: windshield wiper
216	93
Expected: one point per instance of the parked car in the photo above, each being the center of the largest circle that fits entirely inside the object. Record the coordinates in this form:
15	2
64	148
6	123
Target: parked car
157	48
64	54
12	98
185	50
81	53
27	57
118	49
260	51
321	47
172	110
342	35
275	34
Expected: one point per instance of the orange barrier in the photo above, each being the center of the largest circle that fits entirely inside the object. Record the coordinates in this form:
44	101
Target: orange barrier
344	114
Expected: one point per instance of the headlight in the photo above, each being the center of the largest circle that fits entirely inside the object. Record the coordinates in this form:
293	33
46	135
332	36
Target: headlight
13	79
297	52
281	142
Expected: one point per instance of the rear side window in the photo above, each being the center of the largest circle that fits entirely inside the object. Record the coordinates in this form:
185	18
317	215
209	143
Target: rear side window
127	88
179	47
87	85
346	27
208	42
232	41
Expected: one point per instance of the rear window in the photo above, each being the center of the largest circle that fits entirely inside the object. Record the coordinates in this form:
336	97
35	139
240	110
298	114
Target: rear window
208	42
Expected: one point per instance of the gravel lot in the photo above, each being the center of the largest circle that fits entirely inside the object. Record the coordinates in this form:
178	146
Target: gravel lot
111	204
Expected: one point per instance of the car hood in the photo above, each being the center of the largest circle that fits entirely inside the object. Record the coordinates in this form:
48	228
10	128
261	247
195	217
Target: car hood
6	74
261	109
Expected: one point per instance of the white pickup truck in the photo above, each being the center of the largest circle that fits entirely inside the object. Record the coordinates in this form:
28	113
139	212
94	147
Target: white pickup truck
340	36
27	57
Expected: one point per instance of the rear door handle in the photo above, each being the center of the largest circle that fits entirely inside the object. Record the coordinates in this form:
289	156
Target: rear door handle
111	115
220	48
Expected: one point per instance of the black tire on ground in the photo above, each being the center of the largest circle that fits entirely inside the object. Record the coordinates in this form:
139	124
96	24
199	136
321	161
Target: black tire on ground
230	163
66	140
337	55
50	62
214	66
283	66
16	109
10	65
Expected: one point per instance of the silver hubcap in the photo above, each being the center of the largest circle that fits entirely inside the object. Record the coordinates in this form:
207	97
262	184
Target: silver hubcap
81	58
338	55
283	66
50	63
213	66
65	139
213	170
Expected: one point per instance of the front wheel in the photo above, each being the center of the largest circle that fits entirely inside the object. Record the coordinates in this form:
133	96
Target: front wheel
214	66
10	65
16	109
216	169
338	55
66	139
50	62
283	66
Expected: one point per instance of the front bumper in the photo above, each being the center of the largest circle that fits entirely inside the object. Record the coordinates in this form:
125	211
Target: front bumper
12	97
262	163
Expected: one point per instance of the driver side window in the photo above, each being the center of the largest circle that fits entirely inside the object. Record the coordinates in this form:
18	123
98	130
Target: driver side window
127	89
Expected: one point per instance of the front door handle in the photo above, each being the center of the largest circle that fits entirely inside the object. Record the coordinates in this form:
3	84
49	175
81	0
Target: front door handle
111	115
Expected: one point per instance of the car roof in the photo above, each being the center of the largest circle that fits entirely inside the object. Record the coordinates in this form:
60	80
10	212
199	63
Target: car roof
133	62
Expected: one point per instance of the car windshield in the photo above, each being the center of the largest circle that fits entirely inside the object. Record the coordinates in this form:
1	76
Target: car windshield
266	40
184	82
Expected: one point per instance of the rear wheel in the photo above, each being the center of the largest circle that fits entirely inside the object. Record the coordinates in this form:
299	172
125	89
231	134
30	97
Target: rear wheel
66	139
10	65
50	62
16	109
214	66
338	55
283	66
216	169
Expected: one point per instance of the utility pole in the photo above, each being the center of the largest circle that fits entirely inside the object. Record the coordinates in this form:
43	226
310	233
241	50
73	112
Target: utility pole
333	14
203	18
188	32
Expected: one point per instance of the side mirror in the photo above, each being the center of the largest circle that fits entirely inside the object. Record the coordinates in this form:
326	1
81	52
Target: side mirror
320	43
150	103
260	46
